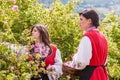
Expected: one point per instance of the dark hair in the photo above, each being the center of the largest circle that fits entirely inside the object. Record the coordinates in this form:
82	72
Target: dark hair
43	34
91	14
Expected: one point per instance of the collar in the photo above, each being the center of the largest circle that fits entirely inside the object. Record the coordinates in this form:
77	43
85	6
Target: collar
91	28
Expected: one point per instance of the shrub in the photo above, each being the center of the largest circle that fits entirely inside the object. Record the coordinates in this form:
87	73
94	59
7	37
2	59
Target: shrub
18	16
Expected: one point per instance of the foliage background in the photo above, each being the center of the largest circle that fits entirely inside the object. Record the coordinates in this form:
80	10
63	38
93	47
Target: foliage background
63	25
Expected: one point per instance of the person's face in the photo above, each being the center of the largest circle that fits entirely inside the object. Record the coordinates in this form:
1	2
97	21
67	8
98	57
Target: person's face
84	23
35	33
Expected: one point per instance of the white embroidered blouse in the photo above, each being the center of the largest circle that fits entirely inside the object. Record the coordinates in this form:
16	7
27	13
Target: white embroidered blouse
84	53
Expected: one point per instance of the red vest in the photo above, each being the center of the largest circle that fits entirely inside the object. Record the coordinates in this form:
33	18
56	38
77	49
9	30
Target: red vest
99	54
50	58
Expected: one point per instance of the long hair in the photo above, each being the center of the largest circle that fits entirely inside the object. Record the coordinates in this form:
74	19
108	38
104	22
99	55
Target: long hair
44	35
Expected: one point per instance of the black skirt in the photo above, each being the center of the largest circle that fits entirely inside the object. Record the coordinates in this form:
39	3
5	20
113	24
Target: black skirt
43	77
86	73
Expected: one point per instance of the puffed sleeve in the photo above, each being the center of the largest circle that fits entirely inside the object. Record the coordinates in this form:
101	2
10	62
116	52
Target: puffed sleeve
84	53
58	62
57	67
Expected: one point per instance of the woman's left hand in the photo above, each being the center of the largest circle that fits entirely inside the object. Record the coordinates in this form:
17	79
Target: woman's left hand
50	68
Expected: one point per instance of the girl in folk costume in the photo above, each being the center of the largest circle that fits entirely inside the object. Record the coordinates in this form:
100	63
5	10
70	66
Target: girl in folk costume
93	49
49	54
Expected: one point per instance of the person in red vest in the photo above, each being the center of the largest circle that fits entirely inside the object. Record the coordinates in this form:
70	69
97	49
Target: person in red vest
92	51
50	54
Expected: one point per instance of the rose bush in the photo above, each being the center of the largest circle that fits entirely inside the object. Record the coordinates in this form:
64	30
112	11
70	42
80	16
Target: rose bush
17	18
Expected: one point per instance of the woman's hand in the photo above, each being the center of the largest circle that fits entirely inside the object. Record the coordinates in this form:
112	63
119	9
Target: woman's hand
50	68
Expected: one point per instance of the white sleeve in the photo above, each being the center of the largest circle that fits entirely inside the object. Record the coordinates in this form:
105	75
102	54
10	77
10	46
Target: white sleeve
15	47
58	62
18	49
57	67
11	46
84	53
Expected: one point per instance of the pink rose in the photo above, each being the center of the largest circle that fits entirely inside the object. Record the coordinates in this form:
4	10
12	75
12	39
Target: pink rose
36	50
15	8
11	68
68	63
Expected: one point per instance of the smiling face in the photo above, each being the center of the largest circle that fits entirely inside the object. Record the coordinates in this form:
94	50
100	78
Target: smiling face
84	23
36	34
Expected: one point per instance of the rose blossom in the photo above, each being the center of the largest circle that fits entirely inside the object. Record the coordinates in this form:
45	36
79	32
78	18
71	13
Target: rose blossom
15	8
68	63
